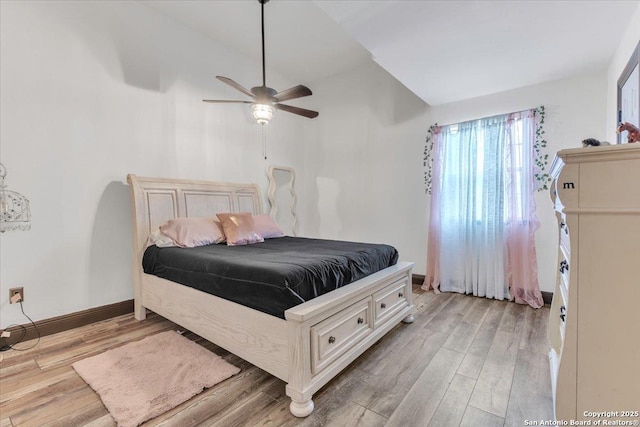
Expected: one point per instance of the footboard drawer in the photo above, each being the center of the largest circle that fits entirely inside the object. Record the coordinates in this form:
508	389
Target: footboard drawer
389	300
335	335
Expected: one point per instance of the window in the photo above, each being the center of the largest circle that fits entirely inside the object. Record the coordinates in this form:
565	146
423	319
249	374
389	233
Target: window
482	208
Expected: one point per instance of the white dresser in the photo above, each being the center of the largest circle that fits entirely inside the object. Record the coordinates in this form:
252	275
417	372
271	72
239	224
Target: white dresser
595	315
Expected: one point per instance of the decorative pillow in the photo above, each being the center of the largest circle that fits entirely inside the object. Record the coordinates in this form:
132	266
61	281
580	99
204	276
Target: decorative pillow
160	240
191	232
267	227
239	228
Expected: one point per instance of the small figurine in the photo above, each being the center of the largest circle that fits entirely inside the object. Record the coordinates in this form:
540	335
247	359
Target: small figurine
633	133
592	142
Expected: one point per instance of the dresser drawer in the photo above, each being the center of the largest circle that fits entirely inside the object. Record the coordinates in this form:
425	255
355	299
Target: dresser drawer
389	300
598	191
337	334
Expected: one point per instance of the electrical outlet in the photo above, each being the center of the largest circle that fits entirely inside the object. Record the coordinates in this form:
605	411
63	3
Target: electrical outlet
14	291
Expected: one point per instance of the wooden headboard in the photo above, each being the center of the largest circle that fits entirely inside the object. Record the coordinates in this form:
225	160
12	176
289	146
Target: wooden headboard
156	200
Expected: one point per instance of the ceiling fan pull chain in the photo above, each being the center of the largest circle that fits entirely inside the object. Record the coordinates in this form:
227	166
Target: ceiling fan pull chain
264	141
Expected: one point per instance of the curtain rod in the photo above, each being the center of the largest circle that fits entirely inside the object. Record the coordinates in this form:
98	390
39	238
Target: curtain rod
488	117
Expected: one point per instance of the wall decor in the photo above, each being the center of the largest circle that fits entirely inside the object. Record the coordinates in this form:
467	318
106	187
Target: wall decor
428	158
15	213
281	193
541	156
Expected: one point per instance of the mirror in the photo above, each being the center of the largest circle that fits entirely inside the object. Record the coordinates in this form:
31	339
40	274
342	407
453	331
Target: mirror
282	198
629	93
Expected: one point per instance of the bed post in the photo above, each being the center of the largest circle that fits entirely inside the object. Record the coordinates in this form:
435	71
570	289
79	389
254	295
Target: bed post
139	311
299	369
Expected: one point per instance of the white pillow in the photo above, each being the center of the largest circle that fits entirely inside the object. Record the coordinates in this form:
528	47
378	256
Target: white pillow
160	240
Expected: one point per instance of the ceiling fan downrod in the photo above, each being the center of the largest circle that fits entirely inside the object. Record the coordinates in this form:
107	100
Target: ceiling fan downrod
264	74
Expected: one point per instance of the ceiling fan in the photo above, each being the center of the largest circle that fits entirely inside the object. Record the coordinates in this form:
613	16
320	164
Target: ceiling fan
265	99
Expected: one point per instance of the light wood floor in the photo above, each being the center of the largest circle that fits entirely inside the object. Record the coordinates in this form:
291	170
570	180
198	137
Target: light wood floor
465	361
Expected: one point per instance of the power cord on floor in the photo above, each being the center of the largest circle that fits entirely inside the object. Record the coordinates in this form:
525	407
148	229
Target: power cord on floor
4	346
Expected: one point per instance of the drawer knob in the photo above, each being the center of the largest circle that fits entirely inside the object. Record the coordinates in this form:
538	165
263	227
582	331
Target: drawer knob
400	294
563	226
332	340
563	309
564	266
383	305
360	320
562	316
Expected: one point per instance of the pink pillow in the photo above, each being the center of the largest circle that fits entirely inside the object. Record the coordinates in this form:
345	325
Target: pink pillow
267	227
191	232
239	228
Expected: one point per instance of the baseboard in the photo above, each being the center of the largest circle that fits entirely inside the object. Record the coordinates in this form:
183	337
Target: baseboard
547	297
70	321
417	279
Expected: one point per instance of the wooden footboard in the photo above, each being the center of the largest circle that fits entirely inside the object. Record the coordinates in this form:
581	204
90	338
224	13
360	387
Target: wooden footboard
315	343
256	337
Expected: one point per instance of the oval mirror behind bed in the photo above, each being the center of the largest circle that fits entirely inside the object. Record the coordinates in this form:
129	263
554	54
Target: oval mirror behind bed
282	198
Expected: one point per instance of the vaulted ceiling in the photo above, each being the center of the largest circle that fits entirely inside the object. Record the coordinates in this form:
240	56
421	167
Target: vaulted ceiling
443	51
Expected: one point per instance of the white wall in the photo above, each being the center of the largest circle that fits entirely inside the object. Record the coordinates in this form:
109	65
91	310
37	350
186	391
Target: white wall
619	61
363	162
92	91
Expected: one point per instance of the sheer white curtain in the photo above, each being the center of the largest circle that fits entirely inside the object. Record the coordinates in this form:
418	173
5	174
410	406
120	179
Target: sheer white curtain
482	209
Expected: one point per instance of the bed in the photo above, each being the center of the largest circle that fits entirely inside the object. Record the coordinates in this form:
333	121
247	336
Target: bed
314	341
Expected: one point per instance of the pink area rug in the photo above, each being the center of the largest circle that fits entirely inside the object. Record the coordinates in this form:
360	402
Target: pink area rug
146	378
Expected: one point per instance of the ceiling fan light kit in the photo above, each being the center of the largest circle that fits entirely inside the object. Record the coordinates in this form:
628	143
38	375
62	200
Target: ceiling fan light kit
265	99
262	113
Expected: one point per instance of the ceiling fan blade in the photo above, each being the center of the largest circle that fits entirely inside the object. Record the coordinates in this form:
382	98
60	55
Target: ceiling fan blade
292	93
297	110
235	85
217	101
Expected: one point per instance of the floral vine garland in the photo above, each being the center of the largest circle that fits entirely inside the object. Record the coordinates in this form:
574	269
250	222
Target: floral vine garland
428	158
541	159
